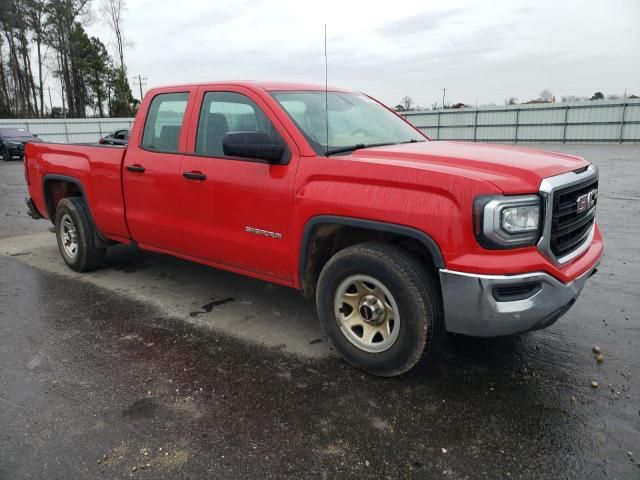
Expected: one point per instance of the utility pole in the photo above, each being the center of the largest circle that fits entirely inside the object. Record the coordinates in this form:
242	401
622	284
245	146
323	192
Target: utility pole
141	82
50	101
64	112
444	91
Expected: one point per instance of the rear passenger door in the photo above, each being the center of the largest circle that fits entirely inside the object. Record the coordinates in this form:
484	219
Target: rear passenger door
237	210
151	173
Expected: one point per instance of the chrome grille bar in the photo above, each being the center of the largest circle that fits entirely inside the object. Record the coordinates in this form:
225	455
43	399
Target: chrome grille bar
562	185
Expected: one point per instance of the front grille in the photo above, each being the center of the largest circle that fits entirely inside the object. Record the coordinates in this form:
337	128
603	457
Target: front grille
570	229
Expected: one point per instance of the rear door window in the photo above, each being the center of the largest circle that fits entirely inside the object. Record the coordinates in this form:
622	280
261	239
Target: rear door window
164	122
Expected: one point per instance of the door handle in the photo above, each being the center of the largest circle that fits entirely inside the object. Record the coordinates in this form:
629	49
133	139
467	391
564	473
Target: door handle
135	168
194	175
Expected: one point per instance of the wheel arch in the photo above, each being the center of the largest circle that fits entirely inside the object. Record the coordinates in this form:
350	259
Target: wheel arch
308	270
56	187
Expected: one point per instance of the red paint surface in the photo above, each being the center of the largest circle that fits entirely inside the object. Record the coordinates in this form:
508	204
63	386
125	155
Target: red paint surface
428	186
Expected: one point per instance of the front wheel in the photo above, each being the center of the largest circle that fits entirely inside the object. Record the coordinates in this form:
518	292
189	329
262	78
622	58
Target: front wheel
76	236
379	306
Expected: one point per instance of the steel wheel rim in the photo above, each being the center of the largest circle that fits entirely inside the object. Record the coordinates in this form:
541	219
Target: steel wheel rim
68	236
367	313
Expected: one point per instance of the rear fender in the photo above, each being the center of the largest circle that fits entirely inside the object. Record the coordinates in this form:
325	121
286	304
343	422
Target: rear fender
49	199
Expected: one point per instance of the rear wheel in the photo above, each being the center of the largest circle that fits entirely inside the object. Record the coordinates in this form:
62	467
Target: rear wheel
76	236
379	306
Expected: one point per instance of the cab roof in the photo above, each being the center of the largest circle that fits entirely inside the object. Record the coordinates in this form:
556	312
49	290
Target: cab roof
263	85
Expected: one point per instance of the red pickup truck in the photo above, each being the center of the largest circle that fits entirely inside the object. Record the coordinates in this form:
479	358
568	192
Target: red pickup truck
397	237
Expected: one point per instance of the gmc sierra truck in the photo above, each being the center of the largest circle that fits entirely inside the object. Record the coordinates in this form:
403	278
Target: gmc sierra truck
398	238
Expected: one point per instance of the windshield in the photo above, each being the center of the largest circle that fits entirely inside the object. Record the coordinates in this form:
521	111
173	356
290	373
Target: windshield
355	121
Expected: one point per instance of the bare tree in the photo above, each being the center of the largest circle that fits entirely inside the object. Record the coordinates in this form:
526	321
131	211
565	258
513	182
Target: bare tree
546	95
511	101
81	63
407	102
66	38
20	85
36	20
112	12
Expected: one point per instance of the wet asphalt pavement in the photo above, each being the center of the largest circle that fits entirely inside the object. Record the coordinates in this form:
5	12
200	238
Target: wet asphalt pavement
88	372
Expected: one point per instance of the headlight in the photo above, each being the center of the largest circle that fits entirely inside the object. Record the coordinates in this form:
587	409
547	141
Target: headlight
13	144
507	222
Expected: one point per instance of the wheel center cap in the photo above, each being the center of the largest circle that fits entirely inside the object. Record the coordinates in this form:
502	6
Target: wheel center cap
372	310
366	313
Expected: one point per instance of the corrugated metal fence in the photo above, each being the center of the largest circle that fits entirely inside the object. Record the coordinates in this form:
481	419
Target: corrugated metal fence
606	121
70	130
596	121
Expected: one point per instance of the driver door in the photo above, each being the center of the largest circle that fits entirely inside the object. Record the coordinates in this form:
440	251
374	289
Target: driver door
238	210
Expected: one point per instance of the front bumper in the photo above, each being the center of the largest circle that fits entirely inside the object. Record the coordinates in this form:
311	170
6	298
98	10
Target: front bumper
477	305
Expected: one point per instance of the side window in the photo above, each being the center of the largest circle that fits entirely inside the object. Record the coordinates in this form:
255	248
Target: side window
164	121
225	112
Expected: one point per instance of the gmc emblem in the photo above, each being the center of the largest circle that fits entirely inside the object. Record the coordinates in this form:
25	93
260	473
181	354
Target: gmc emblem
586	201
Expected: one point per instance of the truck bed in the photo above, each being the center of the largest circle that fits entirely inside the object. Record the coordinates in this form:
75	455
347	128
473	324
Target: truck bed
95	169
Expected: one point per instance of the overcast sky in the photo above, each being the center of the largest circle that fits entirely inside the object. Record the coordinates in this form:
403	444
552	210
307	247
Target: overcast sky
482	51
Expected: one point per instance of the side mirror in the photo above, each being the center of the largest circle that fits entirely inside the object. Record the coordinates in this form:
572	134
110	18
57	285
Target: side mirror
253	145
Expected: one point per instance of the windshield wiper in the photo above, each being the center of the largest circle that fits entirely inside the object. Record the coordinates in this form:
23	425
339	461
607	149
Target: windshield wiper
359	146
333	151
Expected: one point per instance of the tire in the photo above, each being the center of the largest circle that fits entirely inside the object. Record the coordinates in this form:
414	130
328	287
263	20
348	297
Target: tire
6	156
402	288
75	228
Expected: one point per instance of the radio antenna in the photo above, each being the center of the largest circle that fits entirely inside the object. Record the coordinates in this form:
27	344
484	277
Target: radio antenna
326	87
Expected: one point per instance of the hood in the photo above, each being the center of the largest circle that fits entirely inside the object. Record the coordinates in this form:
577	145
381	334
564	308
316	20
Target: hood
512	169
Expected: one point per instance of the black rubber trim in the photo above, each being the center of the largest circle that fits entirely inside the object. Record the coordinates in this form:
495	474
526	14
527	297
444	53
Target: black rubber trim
101	239
47	200
553	317
422	237
235	159
33	211
520	291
